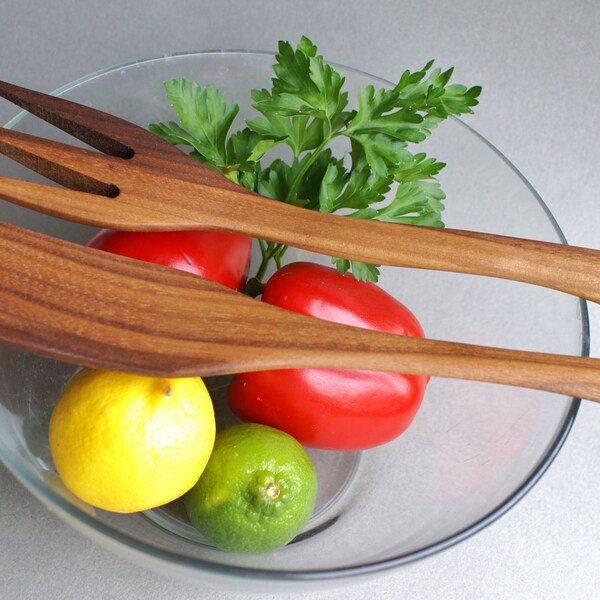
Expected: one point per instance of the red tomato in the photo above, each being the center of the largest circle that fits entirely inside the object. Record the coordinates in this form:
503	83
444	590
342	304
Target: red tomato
324	408
216	255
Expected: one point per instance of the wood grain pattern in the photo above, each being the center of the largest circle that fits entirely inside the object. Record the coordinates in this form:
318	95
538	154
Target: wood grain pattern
92	308
152	185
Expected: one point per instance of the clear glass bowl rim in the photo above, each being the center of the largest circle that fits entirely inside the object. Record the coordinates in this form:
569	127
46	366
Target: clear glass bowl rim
70	513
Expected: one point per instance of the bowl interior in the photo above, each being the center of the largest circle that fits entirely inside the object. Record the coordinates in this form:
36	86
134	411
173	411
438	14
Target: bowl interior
472	450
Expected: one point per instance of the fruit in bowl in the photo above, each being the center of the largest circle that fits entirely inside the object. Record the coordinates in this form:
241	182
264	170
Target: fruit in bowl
128	443
471	449
325	408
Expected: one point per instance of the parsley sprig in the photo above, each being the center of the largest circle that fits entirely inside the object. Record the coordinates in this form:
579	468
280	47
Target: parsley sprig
306	109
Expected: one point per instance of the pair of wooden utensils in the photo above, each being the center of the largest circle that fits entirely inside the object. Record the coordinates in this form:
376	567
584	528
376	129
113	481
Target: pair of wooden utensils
78	304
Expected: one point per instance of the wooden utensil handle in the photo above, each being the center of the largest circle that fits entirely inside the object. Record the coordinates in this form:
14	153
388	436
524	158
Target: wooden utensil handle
310	343
565	268
573	376
569	269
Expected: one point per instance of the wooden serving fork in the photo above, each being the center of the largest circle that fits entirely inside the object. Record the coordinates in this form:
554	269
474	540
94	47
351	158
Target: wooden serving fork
82	305
141	182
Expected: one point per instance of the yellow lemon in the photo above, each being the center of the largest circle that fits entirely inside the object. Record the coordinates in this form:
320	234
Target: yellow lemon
127	443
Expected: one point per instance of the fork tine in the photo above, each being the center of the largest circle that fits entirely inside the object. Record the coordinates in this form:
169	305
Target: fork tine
71	205
75	168
98	129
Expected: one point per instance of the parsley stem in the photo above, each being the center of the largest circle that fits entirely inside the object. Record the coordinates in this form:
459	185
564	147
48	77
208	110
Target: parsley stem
305	167
268	252
272	250
278	255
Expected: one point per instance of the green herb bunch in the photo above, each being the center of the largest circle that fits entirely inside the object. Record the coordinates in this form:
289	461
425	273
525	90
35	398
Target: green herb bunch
306	109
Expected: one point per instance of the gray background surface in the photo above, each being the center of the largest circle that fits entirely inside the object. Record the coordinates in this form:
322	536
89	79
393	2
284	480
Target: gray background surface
539	64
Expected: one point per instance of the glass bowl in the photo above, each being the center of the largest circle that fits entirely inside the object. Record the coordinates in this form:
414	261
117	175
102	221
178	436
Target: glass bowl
472	451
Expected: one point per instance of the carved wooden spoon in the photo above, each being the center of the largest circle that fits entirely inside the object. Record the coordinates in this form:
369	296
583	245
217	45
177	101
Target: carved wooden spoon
89	307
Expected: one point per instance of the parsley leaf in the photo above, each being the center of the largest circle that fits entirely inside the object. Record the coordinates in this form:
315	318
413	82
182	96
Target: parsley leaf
300	132
342	189
307	111
387	120
304	84
205	119
361	271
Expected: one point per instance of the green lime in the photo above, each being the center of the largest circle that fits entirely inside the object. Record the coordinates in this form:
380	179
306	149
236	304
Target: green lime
257	491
